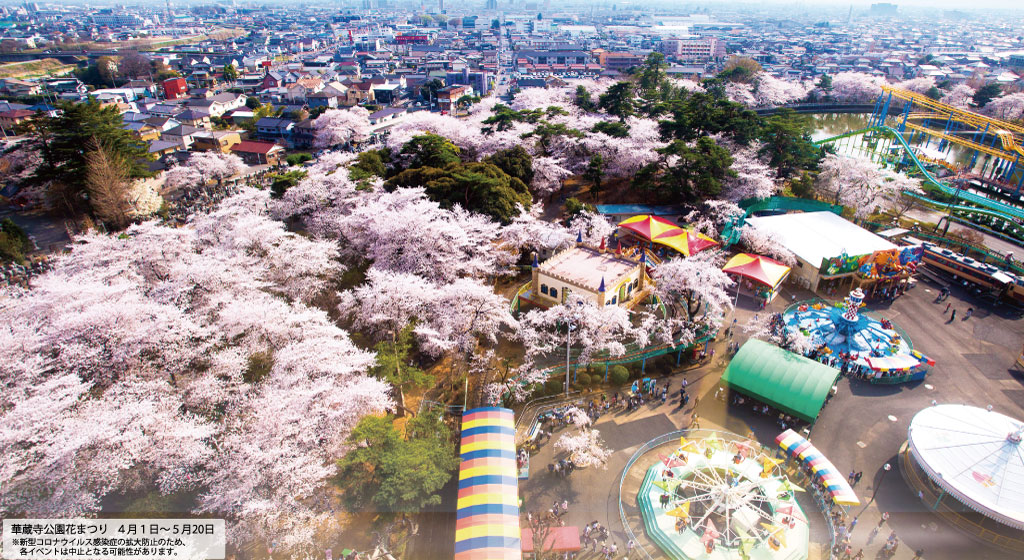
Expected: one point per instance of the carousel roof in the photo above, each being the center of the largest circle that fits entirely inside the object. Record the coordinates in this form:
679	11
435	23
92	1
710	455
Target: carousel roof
975	455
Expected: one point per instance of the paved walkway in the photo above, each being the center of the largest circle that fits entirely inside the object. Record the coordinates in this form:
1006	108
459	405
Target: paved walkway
862	428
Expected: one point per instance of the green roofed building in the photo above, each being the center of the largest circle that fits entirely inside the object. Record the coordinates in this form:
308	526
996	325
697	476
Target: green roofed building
789	382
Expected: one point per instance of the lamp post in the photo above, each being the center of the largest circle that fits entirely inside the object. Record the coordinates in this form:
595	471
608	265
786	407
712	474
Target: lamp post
568	336
885	470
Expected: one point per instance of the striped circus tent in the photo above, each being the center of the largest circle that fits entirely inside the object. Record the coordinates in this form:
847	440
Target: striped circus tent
487	511
800	449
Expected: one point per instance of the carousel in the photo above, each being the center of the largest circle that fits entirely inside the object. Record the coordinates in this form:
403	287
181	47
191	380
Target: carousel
862	343
722	497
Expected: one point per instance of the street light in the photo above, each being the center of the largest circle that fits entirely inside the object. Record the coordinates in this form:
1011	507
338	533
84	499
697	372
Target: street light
885	470
568	336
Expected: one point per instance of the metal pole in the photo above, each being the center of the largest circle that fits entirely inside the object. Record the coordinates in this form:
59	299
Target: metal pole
568	335
885	470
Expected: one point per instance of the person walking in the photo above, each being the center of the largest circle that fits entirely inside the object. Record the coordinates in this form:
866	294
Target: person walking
970	311
856	479
948	305
850	477
918	554
952	317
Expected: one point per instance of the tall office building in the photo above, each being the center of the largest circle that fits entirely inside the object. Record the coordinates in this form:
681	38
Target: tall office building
492	4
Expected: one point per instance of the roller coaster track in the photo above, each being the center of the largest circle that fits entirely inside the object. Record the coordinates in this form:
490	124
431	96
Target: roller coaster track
1009	142
958	114
989	206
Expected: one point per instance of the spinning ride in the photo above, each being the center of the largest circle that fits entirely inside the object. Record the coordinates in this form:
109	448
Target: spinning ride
840	330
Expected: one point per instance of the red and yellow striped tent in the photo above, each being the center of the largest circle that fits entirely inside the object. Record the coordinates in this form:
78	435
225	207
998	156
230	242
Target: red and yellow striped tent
762	270
487	511
649	227
686	241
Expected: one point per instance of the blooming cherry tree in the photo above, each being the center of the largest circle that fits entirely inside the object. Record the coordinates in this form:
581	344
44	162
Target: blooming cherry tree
339	127
856	87
182	359
585	448
694	281
1008	107
960	95
202	168
763	242
594	329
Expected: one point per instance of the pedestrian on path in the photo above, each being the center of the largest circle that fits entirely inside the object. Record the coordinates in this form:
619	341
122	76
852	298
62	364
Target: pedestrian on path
952	317
852	525
948	305
883	519
850	477
970	311
856	479
918	554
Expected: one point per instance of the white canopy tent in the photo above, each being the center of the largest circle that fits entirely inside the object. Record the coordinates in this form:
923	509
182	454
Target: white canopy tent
975	455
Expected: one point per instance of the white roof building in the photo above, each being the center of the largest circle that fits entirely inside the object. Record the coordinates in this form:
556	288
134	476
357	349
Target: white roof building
975	455
815	236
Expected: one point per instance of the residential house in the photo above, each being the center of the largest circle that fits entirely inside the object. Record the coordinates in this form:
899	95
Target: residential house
259	153
449	95
304	87
215	140
270	128
182	135
194	117
15	117
359	92
175	88
218	104
165	109
13	86
160	148
303	134
386	115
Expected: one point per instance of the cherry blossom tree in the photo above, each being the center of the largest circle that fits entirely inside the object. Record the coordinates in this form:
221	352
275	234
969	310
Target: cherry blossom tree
182	359
693	282
766	90
763	242
961	95
1008	107
448	316
528	232
593	227
202	168
584	447
917	85
326	192
713	216
594	329
766	327
339	127
861	184
856	87
405	231
548	174
754	177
